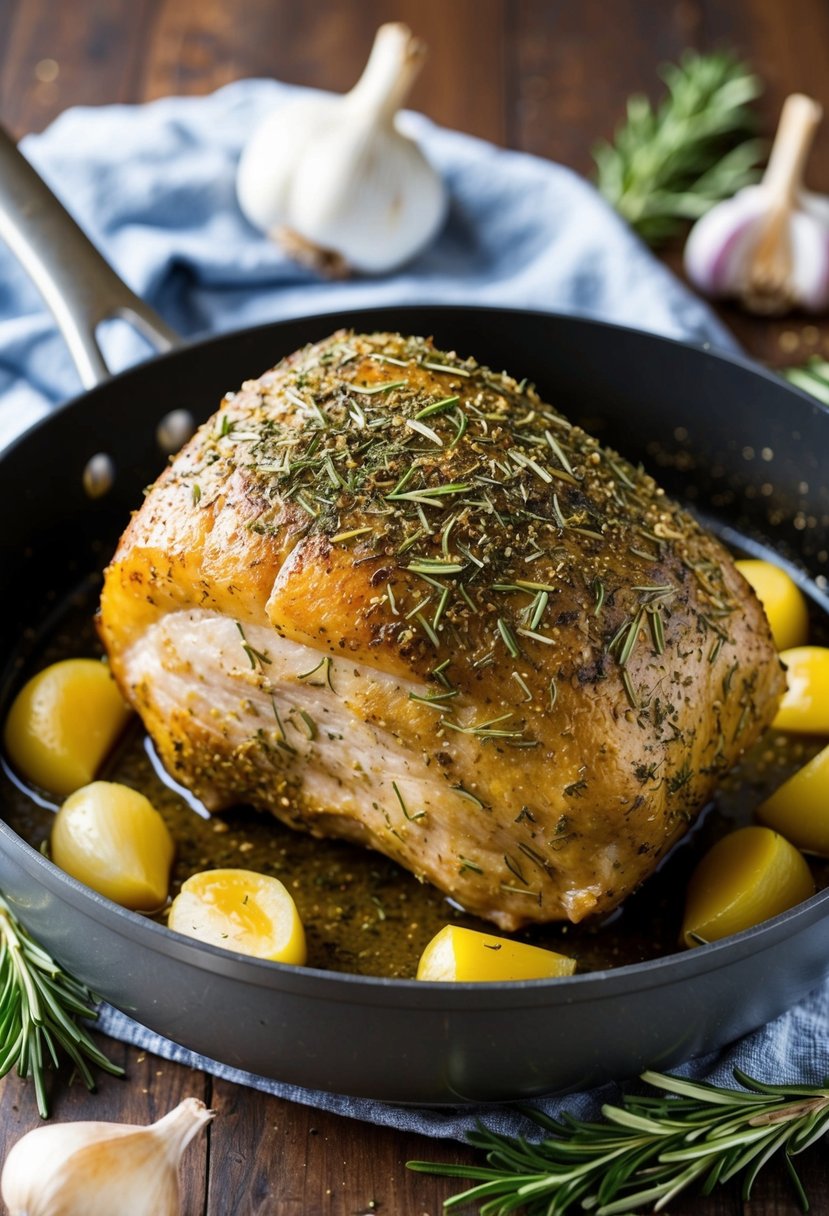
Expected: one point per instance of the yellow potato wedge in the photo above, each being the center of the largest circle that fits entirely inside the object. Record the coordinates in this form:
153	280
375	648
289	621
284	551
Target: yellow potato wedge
799	809
747	877
241	910
466	956
805	704
62	724
113	839
783	601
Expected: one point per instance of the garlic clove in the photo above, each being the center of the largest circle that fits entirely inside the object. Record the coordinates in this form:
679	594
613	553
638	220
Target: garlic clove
97	1169
336	182
810	234
372	210
392	68
768	246
720	243
270	157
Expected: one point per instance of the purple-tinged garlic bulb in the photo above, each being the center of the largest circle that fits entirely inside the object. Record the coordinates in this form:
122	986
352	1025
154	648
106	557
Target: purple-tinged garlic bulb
768	246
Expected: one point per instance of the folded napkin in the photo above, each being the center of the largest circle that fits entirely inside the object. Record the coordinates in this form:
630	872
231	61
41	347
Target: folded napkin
154	187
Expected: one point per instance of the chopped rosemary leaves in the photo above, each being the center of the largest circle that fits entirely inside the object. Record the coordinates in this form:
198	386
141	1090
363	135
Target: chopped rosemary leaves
411	540
631	638
414	611
283	741
522	684
357	416
403	807
422	429
350	535
325	663
470	797
514	868
445	367
536	637
306	506
505	886
525	585
437	407
630	691
428	494
526	462
441	608
539	607
370	390
464	594
476	561
485	730
536	857
435	565
435	700
508	637
558	451
462	423
466	864
657	628
255	657
428	630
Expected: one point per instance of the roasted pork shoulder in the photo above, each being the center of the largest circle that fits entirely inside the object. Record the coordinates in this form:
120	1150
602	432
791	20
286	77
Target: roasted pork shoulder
389	595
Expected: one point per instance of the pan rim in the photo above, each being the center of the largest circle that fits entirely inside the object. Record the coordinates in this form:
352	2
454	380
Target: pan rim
190	346
612	982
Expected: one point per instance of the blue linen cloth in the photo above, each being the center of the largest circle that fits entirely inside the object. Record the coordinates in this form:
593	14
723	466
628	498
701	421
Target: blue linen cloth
154	188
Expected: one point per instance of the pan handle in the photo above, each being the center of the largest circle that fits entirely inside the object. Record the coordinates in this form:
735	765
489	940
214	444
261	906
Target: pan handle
78	285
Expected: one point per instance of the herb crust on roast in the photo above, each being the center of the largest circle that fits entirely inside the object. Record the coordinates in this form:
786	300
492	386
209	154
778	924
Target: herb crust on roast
390	595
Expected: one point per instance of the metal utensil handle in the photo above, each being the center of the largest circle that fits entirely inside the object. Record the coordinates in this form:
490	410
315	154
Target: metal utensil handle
78	285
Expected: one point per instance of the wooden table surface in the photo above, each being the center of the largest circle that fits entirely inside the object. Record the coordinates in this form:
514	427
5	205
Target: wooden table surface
547	76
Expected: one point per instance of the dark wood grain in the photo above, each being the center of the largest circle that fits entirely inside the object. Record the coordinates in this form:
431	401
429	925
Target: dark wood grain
577	64
275	1156
56	55
200	47
547	76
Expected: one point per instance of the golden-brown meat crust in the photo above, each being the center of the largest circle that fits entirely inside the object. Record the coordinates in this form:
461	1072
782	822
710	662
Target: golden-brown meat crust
390	595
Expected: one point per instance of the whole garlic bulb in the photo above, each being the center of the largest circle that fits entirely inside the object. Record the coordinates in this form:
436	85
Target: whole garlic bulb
98	1169
768	246
335	181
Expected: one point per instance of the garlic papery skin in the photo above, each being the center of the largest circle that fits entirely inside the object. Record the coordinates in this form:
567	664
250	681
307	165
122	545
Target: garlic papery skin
101	1169
768	246
333	178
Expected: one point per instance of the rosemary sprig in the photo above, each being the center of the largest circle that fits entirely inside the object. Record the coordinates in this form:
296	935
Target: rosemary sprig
647	1151
39	1008
671	164
812	377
